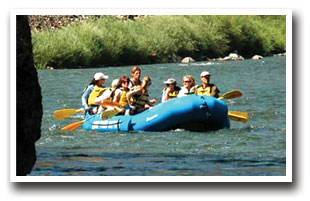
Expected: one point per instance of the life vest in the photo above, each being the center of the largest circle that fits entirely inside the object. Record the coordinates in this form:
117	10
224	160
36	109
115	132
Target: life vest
131	84
123	99
205	91
189	91
113	89
175	93
139	100
97	91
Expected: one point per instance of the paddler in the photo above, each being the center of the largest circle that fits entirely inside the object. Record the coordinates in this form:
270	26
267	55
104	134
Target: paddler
207	88
98	91
171	90
121	94
94	89
138	97
135	77
188	86
107	94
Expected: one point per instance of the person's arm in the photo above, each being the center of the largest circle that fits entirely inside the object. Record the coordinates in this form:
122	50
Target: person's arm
151	102
165	95
215	91
85	95
117	95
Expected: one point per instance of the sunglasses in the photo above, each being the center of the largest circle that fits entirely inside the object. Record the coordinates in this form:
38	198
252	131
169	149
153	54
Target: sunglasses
187	81
125	81
169	85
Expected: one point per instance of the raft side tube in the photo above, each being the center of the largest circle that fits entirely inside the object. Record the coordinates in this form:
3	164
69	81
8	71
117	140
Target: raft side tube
186	112
115	124
173	113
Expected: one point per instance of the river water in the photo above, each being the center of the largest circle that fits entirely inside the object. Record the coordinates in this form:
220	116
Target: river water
257	148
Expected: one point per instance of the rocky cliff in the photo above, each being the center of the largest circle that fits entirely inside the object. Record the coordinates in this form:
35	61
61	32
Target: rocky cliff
29	100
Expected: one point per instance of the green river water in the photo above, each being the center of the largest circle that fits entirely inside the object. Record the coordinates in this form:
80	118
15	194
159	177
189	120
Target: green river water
257	148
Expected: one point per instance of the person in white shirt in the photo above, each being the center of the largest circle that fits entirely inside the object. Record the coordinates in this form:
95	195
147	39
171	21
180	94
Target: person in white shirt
170	91
188	86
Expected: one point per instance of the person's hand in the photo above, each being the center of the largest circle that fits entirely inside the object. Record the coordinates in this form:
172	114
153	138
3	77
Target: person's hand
168	90
153	101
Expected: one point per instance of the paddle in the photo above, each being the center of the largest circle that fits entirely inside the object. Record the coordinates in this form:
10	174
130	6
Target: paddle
109	114
110	103
73	125
65	113
104	115
238	116
231	94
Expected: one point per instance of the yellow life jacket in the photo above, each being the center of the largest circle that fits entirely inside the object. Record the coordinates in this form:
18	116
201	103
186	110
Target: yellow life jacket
207	91
123	99
175	93
97	91
202	91
139	100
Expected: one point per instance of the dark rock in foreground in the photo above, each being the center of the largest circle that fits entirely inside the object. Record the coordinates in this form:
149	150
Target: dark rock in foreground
29	100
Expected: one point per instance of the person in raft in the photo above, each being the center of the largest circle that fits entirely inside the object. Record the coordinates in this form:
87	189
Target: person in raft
188	86
92	91
170	91
121	94
138	97
207	88
108	94
135	77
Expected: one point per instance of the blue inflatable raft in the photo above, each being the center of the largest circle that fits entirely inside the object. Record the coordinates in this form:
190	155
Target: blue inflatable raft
193	112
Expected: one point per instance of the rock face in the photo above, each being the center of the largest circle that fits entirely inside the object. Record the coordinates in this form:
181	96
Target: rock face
29	100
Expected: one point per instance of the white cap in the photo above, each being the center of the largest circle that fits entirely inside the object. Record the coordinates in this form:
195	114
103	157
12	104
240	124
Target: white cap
204	73
170	81
114	83
99	76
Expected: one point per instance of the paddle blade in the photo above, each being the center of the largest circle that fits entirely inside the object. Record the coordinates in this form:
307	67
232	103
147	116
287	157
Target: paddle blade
110	103
231	94
238	116
65	113
109	114
73	126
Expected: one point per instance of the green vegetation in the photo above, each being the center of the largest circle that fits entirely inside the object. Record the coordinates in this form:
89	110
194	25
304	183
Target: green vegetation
157	39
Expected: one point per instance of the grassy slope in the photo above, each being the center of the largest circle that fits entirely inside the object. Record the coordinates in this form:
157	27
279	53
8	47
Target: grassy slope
154	39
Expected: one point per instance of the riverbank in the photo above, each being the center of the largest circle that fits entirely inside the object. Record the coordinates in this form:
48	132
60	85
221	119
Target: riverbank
112	41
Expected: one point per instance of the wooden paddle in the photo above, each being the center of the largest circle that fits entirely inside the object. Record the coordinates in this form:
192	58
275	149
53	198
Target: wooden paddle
238	116
104	115
65	113
231	94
